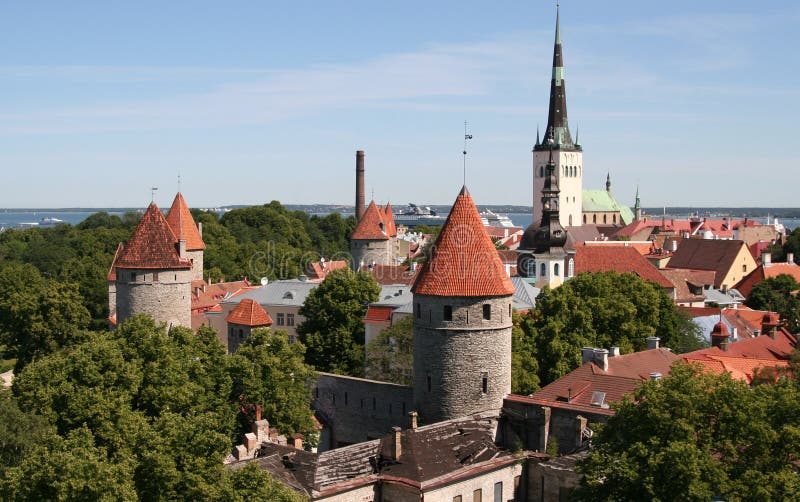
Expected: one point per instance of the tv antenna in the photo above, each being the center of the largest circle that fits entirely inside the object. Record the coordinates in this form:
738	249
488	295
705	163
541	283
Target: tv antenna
467	136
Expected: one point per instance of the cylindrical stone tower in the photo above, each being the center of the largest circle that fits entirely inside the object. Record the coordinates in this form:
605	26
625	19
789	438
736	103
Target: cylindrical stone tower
153	273
462	321
371	241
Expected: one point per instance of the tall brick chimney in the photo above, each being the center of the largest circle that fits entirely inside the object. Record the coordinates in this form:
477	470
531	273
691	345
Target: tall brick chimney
359	184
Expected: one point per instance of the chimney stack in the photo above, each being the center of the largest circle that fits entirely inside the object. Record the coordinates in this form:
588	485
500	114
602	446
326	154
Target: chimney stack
601	358
790	258
653	342
359	184
766	259
587	354
392	448
414	415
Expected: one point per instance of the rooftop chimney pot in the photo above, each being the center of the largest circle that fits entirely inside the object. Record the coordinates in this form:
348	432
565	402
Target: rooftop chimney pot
653	342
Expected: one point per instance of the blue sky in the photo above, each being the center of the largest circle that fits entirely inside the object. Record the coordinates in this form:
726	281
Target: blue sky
697	102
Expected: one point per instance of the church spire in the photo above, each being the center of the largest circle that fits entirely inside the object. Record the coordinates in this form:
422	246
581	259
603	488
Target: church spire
557	133
637	208
608	182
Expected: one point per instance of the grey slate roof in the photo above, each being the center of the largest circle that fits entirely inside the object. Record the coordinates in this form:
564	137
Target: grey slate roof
293	292
723	299
524	294
706	324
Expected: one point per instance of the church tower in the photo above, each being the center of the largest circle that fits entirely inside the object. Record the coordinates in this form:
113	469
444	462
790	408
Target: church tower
558	145
462	321
541	257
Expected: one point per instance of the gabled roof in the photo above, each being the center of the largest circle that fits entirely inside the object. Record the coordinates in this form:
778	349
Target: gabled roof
391	274
601	201
707	254
683	278
463	261
319	270
152	245
372	225
206	296
618	259
183	226
378	314
249	313
745	286
574	390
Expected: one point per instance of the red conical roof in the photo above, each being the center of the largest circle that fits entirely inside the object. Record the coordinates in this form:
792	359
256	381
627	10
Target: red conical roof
152	245
183	226
391	226
372	225
463	261
249	313
720	330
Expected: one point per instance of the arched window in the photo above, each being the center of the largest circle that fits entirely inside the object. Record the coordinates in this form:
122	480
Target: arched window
555	269
584	218
614	217
571	268
543	269
594	218
570	220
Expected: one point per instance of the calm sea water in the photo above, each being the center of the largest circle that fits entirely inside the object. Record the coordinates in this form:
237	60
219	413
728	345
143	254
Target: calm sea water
524	220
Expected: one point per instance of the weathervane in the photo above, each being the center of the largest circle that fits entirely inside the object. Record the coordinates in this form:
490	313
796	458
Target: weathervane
467	136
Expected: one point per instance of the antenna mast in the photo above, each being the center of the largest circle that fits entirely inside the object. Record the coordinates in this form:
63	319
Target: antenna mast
467	136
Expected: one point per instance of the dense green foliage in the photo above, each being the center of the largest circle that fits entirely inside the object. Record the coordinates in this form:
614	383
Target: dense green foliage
595	310
144	413
791	245
390	355
778	295
694	436
333	331
524	364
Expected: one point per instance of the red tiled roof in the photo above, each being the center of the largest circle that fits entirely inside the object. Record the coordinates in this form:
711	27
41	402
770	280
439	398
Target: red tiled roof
378	314
463	261
681	278
372	225
391	226
249	313
745	286
643	247
318	270
205	296
112	271
183	226
152	245
618	259
624	373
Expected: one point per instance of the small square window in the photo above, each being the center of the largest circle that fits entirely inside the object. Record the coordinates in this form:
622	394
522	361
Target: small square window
290	319
448	313
280	319
487	312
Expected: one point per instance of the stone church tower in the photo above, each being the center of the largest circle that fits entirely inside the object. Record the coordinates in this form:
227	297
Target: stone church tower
558	145
153	273
462	321
183	226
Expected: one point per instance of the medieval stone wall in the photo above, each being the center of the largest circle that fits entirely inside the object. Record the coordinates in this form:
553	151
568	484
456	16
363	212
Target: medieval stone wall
359	410
462	365
197	264
366	252
165	295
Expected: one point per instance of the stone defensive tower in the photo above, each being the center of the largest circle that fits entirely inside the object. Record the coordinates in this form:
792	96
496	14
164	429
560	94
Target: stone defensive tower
462	321
558	146
183	226
373	240
153	273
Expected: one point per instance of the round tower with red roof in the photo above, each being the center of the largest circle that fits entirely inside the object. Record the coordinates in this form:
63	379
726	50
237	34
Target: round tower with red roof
373	240
153	273
462	321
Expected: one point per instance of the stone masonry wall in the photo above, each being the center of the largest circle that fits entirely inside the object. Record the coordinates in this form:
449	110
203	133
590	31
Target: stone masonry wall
371	251
165	295
452	358
357	409
197	264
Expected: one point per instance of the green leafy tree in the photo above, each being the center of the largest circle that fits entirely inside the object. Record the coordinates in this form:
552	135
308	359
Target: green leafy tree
524	365
333	331
600	310
251	483
38	316
694	436
269	372
778	294
390	355
20	432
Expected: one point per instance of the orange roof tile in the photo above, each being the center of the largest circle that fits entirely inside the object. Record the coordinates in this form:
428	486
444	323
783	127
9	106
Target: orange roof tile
249	313
372	225
390	274
378	314
391	226
463	261
318	270
617	259
152	245
183	226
